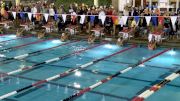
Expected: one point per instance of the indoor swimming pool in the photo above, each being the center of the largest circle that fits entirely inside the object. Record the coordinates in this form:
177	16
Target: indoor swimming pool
34	69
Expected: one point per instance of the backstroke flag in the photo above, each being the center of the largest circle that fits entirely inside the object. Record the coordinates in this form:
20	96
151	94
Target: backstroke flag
103	18
173	20
14	15
136	18
30	16
46	16
148	19
82	19
124	18
64	17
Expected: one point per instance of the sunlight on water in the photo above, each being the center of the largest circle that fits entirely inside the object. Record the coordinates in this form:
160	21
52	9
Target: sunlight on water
77	85
109	46
56	41
2	55
78	74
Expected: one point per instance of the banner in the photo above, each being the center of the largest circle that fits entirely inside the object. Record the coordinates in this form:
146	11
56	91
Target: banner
64	17
103	18
136	18
115	20
73	17
173	20
82	19
161	20
124	18
154	21
30	16
14	15
22	15
55	17
148	19
46	16
121	22
92	18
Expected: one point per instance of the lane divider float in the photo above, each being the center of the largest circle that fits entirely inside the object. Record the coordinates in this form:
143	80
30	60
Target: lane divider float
15	39
81	92
19	57
66	73
156	87
23	45
48	61
2	34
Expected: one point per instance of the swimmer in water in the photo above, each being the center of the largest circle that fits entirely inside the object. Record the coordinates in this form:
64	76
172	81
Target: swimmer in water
152	45
64	37
91	39
41	35
19	32
120	41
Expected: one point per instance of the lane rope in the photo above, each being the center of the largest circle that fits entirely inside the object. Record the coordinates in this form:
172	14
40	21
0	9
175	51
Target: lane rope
81	92
48	61
156	87
68	86
19	57
66	73
2	34
23	45
15	39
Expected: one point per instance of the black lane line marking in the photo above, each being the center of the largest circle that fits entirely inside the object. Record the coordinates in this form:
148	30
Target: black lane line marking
29	91
71	87
107	74
9	99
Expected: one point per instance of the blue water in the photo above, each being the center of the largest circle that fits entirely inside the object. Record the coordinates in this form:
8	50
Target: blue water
122	88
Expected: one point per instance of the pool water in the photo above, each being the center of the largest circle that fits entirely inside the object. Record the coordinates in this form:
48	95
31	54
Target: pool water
122	88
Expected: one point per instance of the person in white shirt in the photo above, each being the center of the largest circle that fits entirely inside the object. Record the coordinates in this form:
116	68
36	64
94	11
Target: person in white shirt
51	11
34	11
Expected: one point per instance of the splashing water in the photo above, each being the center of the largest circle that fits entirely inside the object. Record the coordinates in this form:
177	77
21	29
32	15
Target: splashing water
77	48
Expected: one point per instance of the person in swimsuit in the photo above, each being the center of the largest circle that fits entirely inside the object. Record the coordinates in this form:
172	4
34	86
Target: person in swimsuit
64	37
19	32
91	39
152	44
120	41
